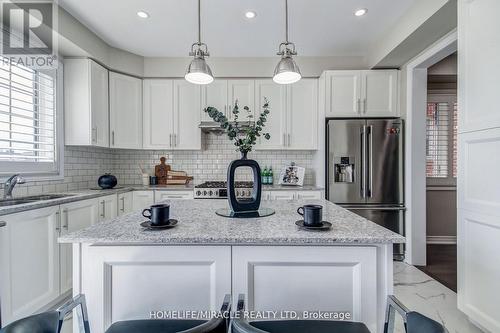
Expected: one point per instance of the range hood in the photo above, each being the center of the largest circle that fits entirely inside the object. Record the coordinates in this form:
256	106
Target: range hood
214	127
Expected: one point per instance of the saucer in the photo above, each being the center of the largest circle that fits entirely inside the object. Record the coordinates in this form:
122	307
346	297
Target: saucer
171	223
323	226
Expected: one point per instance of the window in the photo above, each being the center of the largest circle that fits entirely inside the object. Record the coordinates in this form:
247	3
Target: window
28	122
441	148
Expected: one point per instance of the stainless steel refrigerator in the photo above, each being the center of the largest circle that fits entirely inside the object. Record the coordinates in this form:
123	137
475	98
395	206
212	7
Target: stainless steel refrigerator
365	170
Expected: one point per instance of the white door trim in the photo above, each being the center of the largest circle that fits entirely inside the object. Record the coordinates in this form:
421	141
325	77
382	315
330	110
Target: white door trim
415	180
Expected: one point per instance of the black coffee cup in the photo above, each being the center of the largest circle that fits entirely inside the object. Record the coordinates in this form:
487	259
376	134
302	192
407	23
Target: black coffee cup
313	214
158	214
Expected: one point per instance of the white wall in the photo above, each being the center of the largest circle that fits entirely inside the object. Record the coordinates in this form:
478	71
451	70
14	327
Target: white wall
479	162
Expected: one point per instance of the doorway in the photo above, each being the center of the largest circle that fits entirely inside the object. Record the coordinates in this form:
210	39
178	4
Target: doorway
441	172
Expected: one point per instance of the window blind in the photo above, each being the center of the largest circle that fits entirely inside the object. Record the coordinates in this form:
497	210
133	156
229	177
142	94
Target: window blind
27	120
438	127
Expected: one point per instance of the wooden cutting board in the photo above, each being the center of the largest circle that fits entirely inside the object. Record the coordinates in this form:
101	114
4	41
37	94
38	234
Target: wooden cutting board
178	178
161	171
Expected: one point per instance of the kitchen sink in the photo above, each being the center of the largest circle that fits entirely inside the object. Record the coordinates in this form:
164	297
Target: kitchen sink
32	199
13	202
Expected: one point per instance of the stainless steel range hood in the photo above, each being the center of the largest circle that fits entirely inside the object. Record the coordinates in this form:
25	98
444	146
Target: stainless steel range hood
214	127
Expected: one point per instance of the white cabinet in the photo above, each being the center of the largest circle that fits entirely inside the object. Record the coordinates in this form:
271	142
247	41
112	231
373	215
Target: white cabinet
302	115
327	278
293	118
242	91
125	203
372	93
125	111
186	116
74	216
108	207
142	199
171	115
379	90
292	195
166	195
158	114
215	95
86	103
29	261
276	124
282	195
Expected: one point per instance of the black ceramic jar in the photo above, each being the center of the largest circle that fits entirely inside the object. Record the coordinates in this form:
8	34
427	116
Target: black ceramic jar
107	181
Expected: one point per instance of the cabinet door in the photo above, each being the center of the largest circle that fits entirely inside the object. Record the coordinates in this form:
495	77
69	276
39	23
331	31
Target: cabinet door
243	91
125	93
125	204
29	261
276	119
302	115
166	195
343	89
282	195
99	105
74	216
108	207
142	199
158	114
187	106
380	93
301	195
215	95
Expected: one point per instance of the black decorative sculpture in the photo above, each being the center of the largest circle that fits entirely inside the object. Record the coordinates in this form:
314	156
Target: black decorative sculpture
251	204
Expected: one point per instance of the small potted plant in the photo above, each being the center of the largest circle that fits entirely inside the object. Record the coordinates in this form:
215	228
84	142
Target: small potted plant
244	138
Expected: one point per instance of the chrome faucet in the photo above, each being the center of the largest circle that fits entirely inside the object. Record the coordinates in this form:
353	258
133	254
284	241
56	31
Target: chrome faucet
8	186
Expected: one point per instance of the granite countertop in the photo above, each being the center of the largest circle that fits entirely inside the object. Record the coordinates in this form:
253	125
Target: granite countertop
199	225
78	195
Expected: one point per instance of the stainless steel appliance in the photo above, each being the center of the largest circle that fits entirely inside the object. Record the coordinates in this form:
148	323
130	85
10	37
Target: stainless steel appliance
365	170
218	189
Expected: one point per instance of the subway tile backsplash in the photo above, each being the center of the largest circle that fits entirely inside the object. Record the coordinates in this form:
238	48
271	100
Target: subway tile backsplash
84	165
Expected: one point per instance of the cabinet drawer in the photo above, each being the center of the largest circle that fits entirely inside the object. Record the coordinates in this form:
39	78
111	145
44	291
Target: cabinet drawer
166	195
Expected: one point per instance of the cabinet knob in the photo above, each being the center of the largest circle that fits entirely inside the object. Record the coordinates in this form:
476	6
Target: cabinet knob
3	224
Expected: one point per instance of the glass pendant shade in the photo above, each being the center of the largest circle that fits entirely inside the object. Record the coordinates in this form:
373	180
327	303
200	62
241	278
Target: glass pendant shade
198	72
287	71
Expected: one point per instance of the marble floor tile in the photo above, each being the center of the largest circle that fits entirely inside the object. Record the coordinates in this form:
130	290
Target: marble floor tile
419	292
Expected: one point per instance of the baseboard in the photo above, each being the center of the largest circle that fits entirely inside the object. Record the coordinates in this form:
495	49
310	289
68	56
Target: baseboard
441	239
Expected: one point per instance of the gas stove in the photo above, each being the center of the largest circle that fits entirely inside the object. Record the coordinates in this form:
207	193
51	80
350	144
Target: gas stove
218	189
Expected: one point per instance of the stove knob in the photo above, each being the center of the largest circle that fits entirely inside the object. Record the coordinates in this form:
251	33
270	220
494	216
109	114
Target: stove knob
249	193
198	193
237	193
204	192
211	193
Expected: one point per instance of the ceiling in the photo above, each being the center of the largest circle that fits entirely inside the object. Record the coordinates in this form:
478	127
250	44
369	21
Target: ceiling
318	27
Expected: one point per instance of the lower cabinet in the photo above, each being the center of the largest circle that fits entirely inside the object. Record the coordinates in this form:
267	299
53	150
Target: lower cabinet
166	195
108	207
292	195
29	262
125	203
308	278
142	199
74	216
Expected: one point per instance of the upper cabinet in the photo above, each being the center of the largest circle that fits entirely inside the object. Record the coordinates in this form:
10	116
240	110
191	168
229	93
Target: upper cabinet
171	115
86	103
371	93
215	95
242	91
125	111
293	118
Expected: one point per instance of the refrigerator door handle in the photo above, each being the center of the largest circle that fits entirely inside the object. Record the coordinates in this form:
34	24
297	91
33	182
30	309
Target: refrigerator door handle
363	162
370	161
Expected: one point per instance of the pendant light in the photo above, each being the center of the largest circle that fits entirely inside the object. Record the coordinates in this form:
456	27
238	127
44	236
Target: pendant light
198	71
286	71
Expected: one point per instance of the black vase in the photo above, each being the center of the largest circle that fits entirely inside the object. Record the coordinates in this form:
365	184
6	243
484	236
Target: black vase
107	181
251	204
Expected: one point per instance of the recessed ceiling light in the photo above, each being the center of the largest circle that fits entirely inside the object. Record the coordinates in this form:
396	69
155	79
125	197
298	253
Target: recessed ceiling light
142	14
250	14
361	12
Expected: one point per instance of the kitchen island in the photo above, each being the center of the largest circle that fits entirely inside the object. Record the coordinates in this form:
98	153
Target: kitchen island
126	272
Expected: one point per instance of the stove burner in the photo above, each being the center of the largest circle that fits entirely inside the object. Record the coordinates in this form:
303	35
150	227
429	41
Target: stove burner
218	189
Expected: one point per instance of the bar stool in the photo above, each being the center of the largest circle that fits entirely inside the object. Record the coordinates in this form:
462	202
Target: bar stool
414	323
51	322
